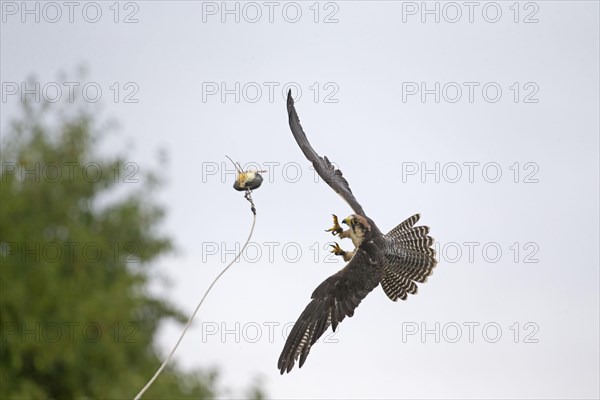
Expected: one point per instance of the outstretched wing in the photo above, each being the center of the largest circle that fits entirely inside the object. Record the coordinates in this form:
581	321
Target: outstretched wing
324	168
332	301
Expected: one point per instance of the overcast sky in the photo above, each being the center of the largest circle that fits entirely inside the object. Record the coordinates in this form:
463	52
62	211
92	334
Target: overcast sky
481	116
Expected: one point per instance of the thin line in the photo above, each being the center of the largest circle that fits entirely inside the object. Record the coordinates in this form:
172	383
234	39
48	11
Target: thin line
189	323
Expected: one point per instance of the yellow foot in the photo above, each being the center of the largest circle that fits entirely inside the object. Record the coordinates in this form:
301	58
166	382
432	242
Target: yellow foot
336	229
337	250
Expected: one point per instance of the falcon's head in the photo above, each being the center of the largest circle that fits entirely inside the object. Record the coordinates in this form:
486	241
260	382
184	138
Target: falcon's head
359	228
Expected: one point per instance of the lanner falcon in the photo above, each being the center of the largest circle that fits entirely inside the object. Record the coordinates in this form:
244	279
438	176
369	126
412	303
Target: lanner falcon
397	260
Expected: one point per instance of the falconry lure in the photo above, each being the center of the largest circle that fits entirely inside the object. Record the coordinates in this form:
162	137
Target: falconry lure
247	181
396	260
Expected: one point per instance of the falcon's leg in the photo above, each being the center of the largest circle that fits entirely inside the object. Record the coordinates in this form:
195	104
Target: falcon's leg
336	229
337	250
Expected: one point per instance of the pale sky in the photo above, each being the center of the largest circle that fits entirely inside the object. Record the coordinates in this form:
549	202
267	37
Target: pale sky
485	121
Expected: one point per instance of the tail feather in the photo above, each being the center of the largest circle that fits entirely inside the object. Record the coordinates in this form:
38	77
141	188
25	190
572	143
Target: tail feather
409	258
405	225
417	239
397	286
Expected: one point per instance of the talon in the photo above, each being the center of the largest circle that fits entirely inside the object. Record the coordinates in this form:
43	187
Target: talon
336	229
337	250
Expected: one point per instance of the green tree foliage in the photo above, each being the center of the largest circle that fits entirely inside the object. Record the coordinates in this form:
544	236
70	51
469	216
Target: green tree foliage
77	320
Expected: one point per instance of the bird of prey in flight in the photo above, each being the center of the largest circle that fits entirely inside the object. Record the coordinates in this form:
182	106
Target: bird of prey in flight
396	260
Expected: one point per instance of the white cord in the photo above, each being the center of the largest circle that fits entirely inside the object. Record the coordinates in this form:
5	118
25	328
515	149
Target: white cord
189	323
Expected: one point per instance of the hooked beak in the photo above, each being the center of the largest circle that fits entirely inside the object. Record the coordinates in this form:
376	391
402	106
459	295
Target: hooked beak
346	221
